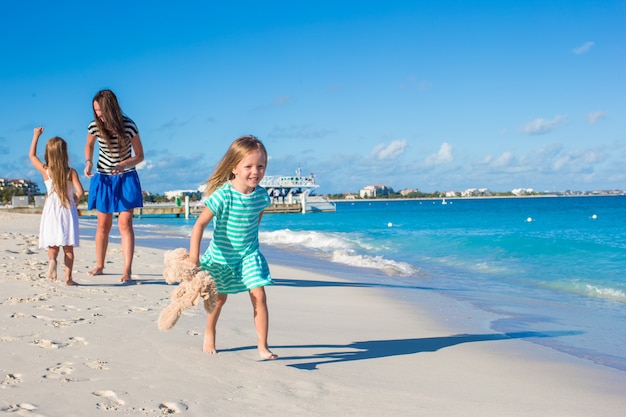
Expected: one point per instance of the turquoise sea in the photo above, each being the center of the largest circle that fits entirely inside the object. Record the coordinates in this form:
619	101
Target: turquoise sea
542	265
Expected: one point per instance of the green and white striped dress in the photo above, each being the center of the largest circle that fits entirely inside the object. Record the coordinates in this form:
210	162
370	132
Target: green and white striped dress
233	258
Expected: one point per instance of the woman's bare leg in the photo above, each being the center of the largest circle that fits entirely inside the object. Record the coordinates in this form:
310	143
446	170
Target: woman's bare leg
125	224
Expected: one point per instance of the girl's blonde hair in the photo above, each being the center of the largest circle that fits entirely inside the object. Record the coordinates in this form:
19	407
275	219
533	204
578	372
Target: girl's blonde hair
57	163
236	152
113	123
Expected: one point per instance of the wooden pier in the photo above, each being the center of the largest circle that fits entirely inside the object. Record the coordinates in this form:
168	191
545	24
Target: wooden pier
185	210
151	211
192	211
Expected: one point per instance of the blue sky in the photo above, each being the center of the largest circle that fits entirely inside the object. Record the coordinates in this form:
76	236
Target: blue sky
434	95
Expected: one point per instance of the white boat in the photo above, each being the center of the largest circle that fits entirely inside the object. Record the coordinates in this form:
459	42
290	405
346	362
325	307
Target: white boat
296	189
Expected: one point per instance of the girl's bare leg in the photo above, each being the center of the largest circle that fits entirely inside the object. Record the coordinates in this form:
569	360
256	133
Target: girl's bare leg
53	253
69	264
261	322
125	224
208	345
105	220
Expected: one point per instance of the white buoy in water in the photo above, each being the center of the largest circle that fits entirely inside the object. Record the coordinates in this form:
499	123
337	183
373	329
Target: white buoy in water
389	224
530	219
595	216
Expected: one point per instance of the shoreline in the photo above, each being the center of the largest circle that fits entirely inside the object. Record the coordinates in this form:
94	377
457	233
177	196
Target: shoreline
37	210
457	198
346	348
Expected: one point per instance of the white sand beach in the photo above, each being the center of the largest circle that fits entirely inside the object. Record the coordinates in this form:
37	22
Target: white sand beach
345	350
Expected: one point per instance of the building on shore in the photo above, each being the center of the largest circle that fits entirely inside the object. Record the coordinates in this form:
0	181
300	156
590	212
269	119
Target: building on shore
375	190
27	186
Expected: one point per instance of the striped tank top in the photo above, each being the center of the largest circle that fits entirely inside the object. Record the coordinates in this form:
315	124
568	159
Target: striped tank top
110	157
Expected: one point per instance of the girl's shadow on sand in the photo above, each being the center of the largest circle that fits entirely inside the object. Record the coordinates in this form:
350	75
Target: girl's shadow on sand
385	348
373	349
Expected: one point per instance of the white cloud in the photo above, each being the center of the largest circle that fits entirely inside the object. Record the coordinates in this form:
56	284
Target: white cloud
503	160
145	164
594	156
391	151
444	155
173	172
584	48
541	126
486	160
551	166
562	162
596	116
586	157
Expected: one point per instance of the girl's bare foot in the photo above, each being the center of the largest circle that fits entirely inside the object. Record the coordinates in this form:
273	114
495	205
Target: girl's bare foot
267	355
96	271
70	282
52	270
208	345
126	279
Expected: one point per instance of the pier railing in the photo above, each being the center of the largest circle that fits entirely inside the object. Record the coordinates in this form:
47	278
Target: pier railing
185	210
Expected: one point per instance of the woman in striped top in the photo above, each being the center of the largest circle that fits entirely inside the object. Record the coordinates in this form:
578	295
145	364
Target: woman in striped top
235	202
115	187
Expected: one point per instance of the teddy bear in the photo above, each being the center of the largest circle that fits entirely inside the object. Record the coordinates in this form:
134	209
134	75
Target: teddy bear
193	284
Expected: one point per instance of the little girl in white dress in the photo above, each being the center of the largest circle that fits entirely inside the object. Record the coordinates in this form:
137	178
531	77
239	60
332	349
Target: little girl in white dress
59	219
59	224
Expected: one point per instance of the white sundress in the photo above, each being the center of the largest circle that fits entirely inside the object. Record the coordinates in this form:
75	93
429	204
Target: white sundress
59	225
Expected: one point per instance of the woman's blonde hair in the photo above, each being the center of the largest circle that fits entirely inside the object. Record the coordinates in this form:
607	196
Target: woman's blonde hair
236	152
113	123
57	163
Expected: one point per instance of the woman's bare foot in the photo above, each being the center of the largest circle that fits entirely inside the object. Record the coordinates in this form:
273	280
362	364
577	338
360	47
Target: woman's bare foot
70	282
126	279
208	345
267	355
52	270
96	271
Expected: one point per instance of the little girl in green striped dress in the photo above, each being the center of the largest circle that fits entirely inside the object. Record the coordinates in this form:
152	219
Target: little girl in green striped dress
235	202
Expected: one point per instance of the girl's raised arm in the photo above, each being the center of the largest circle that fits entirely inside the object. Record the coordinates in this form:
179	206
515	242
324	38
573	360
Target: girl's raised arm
32	154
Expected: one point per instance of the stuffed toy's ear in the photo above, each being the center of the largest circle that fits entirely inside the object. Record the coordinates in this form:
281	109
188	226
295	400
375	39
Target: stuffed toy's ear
184	296
168	317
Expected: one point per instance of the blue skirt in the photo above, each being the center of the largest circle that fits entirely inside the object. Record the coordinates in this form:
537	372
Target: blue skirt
115	193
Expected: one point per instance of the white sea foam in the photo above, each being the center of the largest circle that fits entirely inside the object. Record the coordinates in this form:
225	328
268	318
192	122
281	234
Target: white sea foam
587	289
325	242
340	248
388	266
606	293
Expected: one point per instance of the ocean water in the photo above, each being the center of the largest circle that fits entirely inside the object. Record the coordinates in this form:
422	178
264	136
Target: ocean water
549	266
